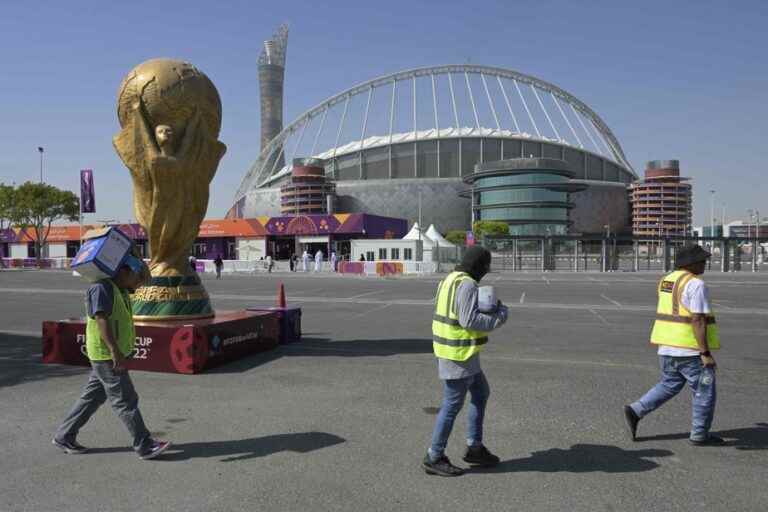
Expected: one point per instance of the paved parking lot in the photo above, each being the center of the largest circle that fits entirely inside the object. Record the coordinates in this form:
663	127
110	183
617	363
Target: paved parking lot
342	420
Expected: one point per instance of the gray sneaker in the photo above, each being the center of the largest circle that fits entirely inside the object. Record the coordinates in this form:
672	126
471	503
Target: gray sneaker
71	447
155	449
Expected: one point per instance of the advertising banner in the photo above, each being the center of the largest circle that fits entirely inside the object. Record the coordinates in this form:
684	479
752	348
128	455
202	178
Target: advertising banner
87	194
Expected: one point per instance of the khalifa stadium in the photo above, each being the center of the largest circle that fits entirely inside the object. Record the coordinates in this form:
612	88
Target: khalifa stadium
426	143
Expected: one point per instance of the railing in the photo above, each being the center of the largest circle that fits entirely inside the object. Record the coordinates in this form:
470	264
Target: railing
619	254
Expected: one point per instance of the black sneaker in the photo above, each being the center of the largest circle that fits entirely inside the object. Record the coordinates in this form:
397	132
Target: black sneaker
69	446
155	449
710	440
441	466
632	421
480	456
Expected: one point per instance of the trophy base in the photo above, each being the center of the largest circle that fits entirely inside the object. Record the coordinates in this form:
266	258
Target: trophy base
172	298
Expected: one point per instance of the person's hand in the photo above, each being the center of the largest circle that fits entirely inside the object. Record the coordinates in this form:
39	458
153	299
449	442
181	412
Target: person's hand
502	313
118	362
708	361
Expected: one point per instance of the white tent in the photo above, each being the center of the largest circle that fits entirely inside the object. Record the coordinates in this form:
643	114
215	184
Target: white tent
435	235
416	233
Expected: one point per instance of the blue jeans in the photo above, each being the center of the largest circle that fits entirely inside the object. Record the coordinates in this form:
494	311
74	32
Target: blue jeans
675	372
453	399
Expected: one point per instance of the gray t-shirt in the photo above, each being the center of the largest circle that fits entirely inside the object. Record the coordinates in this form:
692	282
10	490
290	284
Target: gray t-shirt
470	318
100	298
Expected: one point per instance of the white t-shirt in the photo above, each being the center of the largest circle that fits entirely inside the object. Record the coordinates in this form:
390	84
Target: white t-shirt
695	298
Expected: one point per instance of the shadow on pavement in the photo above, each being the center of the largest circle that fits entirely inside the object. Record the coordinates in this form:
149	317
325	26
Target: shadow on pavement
21	361
316	347
752	438
243	449
582	458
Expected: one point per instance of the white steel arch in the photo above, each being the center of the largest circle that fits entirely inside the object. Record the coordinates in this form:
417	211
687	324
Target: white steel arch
265	166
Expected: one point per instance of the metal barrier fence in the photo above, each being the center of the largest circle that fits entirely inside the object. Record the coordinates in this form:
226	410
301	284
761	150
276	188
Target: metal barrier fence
620	254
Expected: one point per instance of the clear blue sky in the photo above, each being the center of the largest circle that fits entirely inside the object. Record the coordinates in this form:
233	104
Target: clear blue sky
682	80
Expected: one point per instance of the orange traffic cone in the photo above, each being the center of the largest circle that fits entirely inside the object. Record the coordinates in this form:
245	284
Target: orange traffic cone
281	296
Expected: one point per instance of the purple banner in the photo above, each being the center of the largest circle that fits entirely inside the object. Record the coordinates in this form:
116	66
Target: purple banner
87	194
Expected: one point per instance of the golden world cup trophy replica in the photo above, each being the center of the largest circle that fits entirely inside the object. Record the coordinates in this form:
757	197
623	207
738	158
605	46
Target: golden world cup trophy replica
170	117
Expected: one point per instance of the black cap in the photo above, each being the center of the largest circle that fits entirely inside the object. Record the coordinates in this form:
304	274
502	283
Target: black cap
690	254
475	262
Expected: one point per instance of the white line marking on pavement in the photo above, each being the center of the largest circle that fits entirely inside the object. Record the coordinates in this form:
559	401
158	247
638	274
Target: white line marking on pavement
365	294
522	298
598	315
610	300
379	308
21	333
243	300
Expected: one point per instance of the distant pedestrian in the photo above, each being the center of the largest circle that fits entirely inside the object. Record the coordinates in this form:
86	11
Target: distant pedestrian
459	332
109	340
333	261
686	332
269	263
219	264
291	263
362	257
305	261
318	260
193	264
295	260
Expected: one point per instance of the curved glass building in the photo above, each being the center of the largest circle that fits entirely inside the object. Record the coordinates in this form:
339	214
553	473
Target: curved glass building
532	195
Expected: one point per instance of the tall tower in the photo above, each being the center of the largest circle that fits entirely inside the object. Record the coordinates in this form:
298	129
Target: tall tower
271	77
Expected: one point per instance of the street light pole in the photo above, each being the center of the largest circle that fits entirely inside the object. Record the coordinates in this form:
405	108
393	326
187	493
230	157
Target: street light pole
41	150
712	215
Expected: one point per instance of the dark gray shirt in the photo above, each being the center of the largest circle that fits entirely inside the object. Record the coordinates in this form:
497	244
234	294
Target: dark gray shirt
470	317
100	298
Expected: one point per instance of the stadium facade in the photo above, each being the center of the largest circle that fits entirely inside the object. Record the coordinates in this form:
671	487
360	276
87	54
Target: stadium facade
403	144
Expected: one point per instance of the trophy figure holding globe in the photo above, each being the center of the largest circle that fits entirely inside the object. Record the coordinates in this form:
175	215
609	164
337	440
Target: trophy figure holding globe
170	117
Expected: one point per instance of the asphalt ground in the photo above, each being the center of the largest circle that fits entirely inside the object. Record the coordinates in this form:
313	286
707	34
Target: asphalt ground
341	421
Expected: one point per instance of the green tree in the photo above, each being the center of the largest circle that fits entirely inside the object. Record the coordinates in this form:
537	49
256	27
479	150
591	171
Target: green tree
483	228
39	205
456	236
7	193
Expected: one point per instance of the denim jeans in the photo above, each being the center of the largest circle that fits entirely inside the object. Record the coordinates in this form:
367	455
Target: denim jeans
454	392
104	383
675	372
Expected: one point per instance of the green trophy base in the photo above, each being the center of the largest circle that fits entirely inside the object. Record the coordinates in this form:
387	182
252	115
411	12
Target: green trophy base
172	298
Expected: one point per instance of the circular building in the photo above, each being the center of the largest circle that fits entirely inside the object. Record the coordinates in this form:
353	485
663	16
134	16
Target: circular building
532	195
662	202
307	191
405	142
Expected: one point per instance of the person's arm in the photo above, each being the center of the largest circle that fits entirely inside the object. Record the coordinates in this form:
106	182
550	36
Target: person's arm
699	306
699	322
470	317
107	336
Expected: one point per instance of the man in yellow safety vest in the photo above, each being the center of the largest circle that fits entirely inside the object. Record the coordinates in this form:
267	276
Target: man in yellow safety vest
109	341
686	333
459	332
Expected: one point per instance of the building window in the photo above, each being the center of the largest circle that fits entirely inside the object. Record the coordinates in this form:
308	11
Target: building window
31	250
407	254
395	253
382	253
369	256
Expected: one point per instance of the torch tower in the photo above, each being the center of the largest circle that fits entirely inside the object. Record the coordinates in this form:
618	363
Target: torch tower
271	78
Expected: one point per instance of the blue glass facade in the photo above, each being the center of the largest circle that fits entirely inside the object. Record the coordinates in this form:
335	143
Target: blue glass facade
531	194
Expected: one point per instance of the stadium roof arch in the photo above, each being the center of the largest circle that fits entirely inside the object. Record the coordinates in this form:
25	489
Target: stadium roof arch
435	103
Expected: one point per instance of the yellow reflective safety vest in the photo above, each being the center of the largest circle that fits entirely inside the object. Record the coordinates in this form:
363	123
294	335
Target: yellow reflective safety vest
449	339
121	322
673	325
